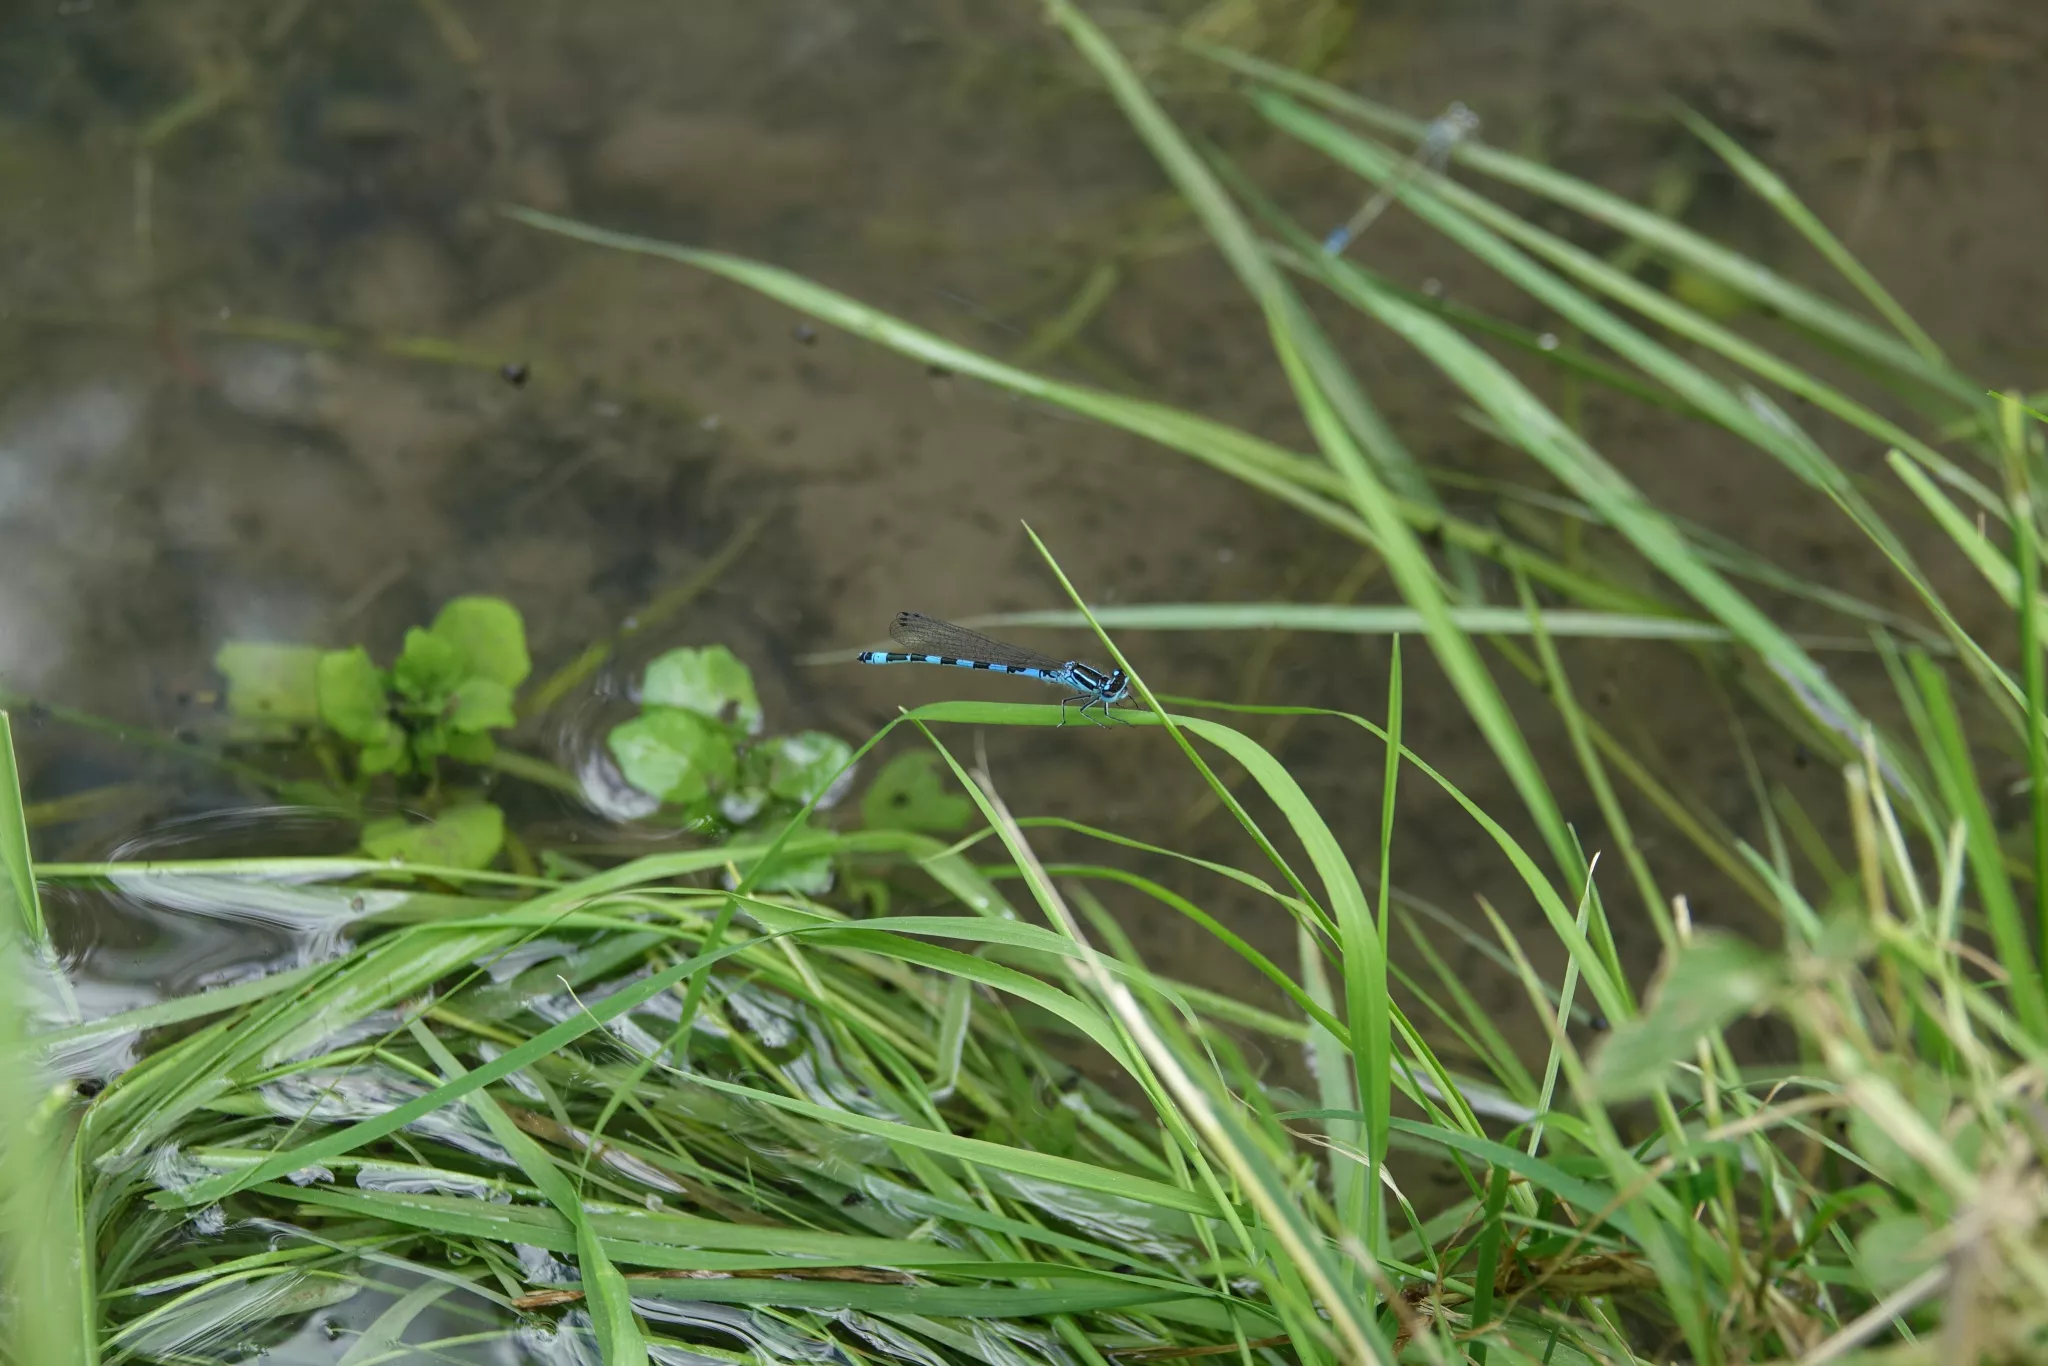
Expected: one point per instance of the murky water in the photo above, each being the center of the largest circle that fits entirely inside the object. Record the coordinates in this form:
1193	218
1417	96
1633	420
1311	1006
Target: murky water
272	366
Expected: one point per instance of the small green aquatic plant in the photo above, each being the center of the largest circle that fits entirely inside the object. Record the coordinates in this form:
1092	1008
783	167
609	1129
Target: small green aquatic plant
696	746
450	687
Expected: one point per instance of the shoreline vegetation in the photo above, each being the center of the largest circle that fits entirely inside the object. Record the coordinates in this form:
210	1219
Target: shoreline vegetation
866	1080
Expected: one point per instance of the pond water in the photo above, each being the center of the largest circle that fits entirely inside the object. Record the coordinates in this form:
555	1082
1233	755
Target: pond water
274	366
258	299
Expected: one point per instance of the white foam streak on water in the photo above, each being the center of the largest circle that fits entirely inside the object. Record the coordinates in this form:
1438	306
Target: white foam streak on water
887	1339
569	1342
1004	1344
769	1341
1119	1222
212	1324
543	1267
408	1180
337	1097
313	916
517	959
519	1079
606	790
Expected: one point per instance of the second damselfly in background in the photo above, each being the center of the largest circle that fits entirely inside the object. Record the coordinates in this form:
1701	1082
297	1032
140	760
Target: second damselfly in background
1455	125
927	640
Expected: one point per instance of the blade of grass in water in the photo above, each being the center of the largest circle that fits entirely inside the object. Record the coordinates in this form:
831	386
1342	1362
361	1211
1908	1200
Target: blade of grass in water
24	909
1673	240
1327	398
1361	1339
48	1279
1773	190
1485	229
1387	620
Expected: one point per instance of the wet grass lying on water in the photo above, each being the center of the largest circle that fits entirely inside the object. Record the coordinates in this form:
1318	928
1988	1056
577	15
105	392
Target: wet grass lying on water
755	1127
752	1123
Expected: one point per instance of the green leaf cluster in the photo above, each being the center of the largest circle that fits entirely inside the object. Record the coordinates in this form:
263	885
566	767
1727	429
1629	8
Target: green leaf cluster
693	748
450	687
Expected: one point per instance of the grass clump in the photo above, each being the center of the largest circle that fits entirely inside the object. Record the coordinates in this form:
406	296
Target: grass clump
933	1106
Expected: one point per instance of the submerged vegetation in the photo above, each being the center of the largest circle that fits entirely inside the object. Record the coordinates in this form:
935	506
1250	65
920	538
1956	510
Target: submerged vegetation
803	1088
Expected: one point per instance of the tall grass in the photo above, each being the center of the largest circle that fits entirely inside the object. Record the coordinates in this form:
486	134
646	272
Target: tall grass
971	1124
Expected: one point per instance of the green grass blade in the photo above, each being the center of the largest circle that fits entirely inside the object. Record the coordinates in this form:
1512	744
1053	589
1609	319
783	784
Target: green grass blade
1672	240
1575	463
1065	1171
1264	1188
1365	980
25	908
611	1308
2020	488
355	1135
48	1280
1771	188
1285	317
386	1336
1962	792
1370	620
1485	229
1331	405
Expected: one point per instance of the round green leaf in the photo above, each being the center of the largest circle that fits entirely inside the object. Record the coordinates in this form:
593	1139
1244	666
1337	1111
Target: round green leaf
800	767
271	682
711	682
809	877
678	756
810	874
909	794
462	837
352	697
488	637
428	669
480	704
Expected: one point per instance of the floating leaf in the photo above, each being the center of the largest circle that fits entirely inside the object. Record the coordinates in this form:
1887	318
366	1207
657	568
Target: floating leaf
742	804
711	682
676	755
352	696
1713	979
802	767
489	638
428	669
462	837
909	794
271	682
805	873
809	877
480	704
